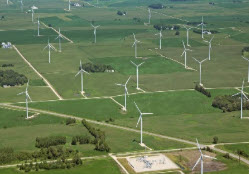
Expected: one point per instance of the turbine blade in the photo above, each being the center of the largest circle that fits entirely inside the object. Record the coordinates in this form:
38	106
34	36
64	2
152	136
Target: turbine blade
127	81
204	60
137	108
119	84
133	63
196	163
245	95
206	156
196	60
198	145
29	97
183	53
141	64
147	113
77	74
139	120
20	93
236	94
245	58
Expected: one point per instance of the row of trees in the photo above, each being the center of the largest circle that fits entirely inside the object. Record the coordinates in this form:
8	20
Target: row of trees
70	121
166	27
156	6
202	90
93	68
7	65
99	141
45	142
82	139
228	103
44	165
12	78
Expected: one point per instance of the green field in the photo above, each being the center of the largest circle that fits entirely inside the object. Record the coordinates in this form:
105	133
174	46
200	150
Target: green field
234	148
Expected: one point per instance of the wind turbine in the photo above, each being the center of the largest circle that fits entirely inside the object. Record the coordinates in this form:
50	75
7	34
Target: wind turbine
241	98
210	47
49	46
248	66
69	5
38	26
187	35
81	72
59	38
137	66
33	8
160	35
135	44
202	25
200	62
95	31
7	2
27	98
21	1
185	54
201	158
149	14
140	119
126	92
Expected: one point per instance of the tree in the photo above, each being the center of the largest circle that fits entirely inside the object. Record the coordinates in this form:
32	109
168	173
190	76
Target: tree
215	140
239	152
177	33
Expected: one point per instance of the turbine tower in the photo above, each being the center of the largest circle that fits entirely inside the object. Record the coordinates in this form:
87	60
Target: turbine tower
185	54
59	38
135	44
69	5
95	32
126	92
33	8
202	25
210	47
160	36
201	159
27	98
241	98
187	35
49	46
7	2
81	72
21	2
149	15
137	66
38	26
248	67
140	119
200	62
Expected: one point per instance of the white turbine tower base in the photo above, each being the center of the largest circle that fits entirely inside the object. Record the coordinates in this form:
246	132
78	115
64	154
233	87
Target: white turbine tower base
95	32
81	72
49	46
201	159
185	54
137	66
140	119
27	98
200	62
202	25
248	67
59	38
69	5
241	98
38	26
149	15
210	47
126	93
135	44
187	35
160	37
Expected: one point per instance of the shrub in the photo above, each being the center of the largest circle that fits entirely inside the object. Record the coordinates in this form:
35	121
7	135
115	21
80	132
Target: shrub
177	33
156	6
70	121
7	65
245	49
202	90
42	142
120	13
215	140
89	67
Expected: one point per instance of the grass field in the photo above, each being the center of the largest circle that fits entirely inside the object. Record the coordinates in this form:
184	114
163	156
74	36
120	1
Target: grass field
105	166
234	148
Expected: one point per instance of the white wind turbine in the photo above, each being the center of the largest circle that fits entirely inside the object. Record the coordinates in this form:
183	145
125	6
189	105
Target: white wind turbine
135	44
210	47
21	2
59	38
33	8
7	2
126	92
160	36
241	98
187	35
202	25
27	98
200	62
69	5
137	66
49	46
149	15
248	66
95	32
140	119
81	72
38	26
185	54
201	159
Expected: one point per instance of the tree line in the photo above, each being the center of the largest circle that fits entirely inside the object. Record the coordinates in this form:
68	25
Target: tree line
166	27
45	142
93	68
202	90
12	78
